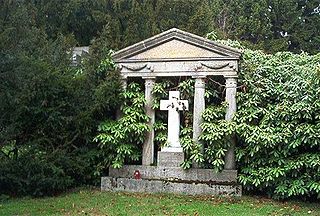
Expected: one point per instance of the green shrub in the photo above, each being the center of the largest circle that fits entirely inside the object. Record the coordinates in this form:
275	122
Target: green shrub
277	125
35	174
49	113
121	140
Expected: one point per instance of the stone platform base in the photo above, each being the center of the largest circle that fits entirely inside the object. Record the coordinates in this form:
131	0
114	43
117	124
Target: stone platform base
154	179
162	186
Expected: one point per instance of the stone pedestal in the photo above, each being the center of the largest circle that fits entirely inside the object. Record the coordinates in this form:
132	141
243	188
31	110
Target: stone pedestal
168	186
170	159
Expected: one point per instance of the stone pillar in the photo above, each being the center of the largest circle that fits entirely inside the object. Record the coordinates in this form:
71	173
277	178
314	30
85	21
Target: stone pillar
124	83
198	108
148	146
124	87
231	90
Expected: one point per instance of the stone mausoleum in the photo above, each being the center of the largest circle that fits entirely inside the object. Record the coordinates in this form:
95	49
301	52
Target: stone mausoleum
177	53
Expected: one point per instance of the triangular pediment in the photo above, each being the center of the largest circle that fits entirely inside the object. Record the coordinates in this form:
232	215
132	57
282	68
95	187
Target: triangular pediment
175	49
175	44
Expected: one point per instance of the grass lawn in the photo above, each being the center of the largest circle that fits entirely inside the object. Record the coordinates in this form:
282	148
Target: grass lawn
94	202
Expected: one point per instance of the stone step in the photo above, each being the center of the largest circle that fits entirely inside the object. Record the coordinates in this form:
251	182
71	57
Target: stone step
192	175
166	186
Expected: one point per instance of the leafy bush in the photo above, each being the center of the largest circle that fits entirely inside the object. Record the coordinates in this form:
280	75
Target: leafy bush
215	135
121	140
35	173
277	125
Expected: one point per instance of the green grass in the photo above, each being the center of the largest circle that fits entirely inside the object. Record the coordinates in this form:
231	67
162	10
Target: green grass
93	202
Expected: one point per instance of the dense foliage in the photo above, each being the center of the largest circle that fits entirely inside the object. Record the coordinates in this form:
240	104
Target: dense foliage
277	125
48	110
121	140
271	25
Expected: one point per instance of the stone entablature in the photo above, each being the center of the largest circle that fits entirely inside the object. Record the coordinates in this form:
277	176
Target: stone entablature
181	67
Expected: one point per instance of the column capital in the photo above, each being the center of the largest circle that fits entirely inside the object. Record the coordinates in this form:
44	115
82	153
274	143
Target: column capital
200	82
149	81
199	77
231	82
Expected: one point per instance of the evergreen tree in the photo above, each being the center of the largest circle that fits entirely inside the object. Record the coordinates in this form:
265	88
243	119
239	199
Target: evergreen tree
201	22
306	35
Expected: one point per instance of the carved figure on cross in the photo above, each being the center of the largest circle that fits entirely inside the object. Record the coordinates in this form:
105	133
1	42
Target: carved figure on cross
174	105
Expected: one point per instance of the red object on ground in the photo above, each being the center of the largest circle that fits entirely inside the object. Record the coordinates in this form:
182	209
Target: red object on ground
137	174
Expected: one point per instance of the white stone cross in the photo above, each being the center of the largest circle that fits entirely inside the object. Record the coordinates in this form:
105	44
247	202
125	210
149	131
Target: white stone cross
173	105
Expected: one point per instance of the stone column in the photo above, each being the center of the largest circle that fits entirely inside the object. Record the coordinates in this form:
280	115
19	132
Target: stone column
231	90
124	87
148	146
198	108
124	83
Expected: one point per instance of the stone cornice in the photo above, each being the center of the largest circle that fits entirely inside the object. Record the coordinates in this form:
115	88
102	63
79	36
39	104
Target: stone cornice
176	59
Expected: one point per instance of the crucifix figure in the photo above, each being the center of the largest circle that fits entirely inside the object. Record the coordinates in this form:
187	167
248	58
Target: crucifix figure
174	105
